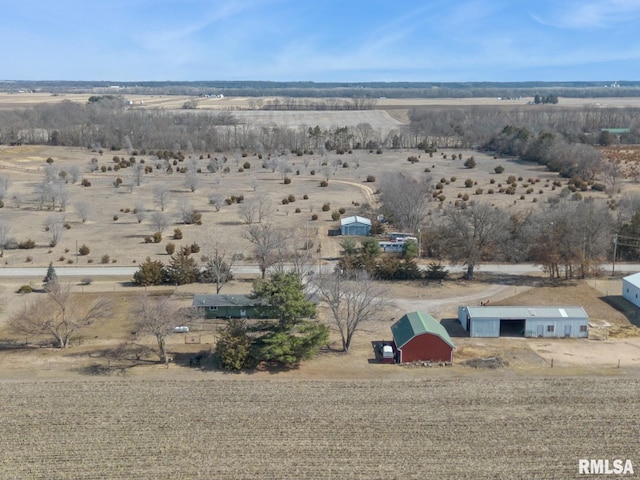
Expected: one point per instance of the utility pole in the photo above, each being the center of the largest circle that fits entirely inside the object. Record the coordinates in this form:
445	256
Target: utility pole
615	248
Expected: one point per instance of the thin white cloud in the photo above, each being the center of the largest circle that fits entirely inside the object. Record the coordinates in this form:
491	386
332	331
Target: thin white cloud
590	14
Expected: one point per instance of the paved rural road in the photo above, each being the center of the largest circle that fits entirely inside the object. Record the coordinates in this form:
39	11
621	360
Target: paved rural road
499	268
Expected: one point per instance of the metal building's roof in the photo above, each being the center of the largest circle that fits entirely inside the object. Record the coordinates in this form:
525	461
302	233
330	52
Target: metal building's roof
528	312
354	219
415	323
633	279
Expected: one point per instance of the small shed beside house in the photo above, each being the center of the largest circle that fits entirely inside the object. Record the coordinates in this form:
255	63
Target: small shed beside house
230	306
631	288
355	226
417	336
522	321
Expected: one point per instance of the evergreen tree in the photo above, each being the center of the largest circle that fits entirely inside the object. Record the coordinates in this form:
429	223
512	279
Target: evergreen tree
149	273
182	268
293	338
51	277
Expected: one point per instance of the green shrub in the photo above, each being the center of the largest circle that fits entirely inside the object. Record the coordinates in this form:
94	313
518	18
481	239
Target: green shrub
335	215
287	180
468	183
170	248
177	234
371	178
25	289
157	237
326	207
324	183
314	216
84	250
105	258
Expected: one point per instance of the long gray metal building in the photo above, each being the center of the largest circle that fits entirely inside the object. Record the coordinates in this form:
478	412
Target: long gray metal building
498	321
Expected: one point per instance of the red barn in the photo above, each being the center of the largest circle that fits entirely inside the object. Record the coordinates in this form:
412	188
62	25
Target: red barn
420	337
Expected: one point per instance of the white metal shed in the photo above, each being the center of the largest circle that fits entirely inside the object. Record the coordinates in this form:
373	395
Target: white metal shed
523	321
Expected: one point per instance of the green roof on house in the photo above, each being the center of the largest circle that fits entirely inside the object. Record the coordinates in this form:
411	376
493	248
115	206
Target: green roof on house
416	323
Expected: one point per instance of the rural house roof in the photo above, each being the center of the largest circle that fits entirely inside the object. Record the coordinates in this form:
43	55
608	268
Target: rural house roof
354	219
416	323
206	300
529	312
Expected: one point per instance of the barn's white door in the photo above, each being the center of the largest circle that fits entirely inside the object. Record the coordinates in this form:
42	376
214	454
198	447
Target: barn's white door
541	330
243	313
567	330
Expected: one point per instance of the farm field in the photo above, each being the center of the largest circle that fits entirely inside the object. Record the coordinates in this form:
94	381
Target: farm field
491	426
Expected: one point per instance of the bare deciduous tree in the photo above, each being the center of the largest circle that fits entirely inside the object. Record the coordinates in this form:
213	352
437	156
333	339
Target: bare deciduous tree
84	210
217	200
161	195
156	316
58	314
137	173
74	173
5	231
139	211
217	266
265	240
405	200
54	225
351	302
473	232
191	180
255	209
4	187
159	221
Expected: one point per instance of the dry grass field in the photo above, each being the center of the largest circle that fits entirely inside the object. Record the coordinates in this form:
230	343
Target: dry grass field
482	427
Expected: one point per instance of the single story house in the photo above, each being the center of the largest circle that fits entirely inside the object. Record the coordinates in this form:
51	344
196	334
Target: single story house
355	226
631	288
417	336
230	306
546	321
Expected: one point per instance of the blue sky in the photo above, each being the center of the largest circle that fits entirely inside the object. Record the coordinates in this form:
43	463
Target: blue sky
321	40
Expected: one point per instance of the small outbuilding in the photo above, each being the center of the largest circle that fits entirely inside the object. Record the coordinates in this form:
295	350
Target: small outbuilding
355	226
505	321
631	288
417	336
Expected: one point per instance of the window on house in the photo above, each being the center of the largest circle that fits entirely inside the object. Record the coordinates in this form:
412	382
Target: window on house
583	328
550	328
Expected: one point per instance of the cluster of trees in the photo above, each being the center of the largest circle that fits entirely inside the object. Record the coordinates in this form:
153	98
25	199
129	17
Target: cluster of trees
467	127
183	269
551	98
549	149
293	336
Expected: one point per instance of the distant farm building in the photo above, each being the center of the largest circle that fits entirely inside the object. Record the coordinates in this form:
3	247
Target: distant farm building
355	225
631	288
230	306
489	321
417	336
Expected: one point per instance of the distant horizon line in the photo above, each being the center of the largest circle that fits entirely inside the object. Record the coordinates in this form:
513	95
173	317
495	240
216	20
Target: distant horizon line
354	83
